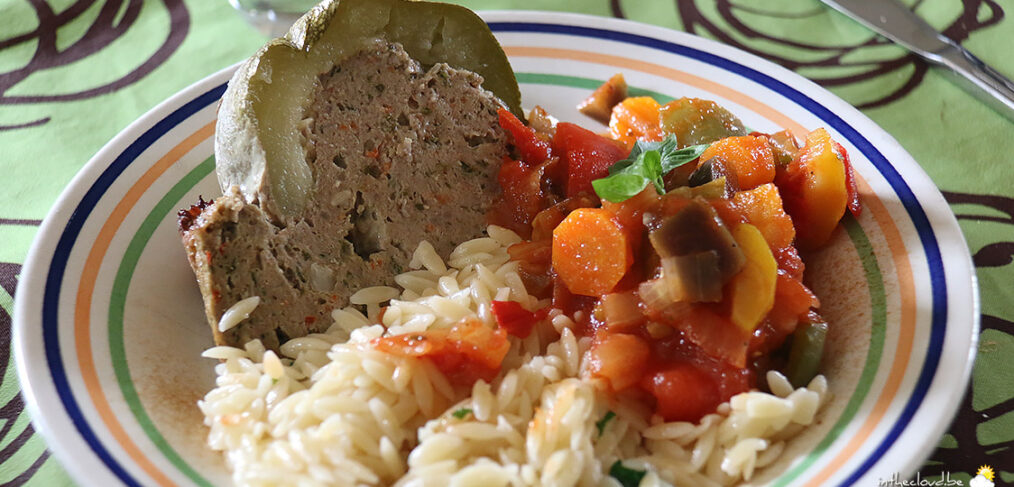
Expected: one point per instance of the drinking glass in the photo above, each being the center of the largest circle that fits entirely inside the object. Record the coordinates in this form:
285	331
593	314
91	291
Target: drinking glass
272	17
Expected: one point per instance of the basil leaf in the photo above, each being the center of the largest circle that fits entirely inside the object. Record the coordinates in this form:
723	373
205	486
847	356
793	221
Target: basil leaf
676	158
631	177
619	166
651	163
667	144
461	413
648	163
627	477
601	424
619	187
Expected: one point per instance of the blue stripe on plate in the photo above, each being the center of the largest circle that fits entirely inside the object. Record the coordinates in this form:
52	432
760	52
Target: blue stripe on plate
915	211
51	296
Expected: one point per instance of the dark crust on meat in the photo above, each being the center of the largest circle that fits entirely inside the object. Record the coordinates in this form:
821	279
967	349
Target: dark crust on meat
398	155
186	217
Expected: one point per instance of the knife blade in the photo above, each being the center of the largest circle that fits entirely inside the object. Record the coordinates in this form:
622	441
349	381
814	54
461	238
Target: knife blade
894	20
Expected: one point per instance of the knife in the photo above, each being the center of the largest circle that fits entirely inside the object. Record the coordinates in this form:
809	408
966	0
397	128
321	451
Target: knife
893	20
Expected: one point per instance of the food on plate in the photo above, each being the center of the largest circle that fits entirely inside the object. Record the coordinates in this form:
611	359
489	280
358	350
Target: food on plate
634	314
685	278
338	149
599	105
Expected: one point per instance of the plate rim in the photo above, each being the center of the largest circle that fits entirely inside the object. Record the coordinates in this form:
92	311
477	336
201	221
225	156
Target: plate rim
36	267
35	274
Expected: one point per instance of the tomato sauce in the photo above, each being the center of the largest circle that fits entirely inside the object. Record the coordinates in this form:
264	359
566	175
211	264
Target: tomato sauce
689	294
465	353
684	356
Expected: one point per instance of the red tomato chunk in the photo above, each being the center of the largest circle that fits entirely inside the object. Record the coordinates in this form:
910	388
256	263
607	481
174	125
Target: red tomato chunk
515	319
465	353
587	156
533	149
682	392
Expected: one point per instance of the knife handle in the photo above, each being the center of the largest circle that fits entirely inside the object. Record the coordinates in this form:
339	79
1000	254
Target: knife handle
986	83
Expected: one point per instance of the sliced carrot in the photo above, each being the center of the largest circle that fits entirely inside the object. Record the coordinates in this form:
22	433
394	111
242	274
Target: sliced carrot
762	207
636	118
591	252
547	220
749	157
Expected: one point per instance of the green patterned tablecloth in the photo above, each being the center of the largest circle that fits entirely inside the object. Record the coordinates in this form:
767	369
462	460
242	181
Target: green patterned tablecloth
73	73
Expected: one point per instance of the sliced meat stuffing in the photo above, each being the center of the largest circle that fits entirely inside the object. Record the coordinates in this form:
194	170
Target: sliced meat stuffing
398	154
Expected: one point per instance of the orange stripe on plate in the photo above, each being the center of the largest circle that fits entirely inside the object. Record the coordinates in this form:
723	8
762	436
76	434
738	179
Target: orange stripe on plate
730	94
906	334
82	310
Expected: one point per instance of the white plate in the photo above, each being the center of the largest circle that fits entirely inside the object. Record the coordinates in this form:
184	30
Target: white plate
109	322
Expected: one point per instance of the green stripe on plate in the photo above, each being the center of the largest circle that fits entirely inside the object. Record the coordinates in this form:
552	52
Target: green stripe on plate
878	304
117	303
585	83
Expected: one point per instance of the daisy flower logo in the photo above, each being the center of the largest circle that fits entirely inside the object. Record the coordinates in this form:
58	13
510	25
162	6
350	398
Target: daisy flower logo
983	477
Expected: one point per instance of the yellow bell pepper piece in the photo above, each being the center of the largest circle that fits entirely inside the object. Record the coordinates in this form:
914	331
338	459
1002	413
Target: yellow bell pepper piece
814	191
752	290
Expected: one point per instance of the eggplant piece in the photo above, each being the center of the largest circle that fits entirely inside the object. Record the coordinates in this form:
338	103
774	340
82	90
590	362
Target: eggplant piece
696	121
710	190
713	190
702	254
712	170
704	174
599	105
784	146
698	276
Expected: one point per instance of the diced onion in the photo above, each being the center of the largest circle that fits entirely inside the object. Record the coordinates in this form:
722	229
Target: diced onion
620	311
656	294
